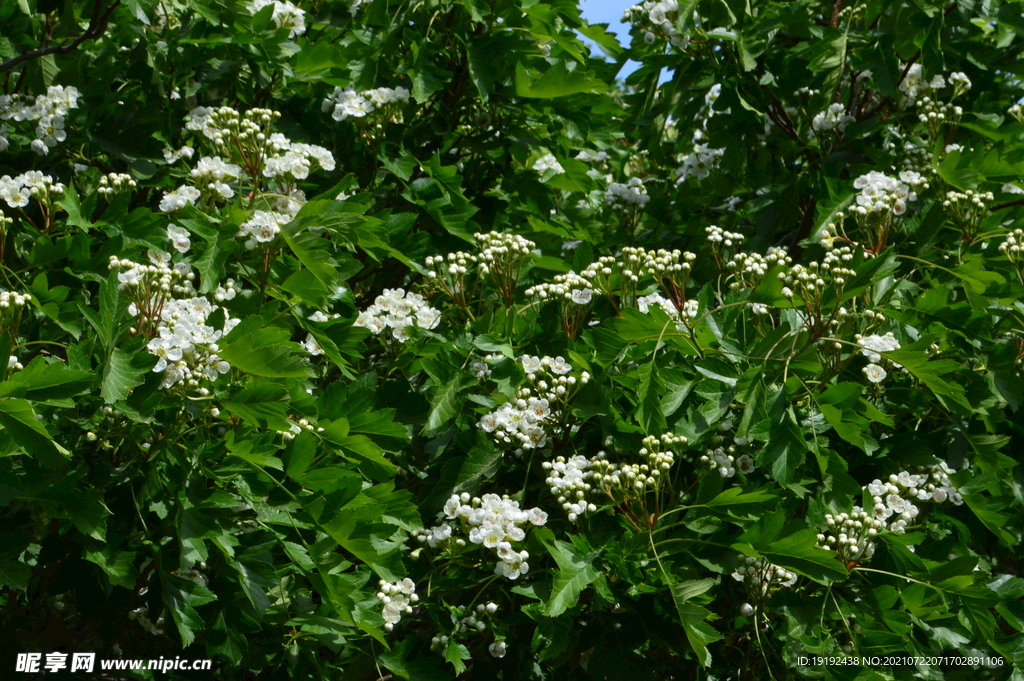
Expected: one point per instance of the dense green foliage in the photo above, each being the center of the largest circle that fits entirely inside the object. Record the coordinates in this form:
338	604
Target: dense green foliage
686	330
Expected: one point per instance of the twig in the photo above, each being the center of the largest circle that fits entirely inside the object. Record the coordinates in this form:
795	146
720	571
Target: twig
97	25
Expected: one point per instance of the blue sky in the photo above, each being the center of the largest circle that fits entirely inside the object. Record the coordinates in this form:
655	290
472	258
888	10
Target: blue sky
610	12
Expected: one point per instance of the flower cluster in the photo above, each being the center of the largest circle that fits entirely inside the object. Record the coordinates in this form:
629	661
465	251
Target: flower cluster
880	193
833	118
894	498
398	599
213	174
48	111
1013	248
11	307
809	282
524	422
568	480
933	114
493	522
749	269
851	535
968	208
657	18
18	190
293	161
633	194
870	347
177	199
398	311
548	162
634	480
569	287
185	345
501	258
348	103
262	228
681	316
115	183
699	163
762	577
172	156
471	621
725	461
285	15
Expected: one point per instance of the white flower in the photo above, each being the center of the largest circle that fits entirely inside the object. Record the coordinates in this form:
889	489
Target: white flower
548	162
582	296
497	649
179	238
874	373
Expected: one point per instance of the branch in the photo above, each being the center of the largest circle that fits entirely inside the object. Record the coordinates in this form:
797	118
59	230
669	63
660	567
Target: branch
97	25
1018	202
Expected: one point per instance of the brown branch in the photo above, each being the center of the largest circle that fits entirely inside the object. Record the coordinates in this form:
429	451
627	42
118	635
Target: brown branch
97	26
1018	202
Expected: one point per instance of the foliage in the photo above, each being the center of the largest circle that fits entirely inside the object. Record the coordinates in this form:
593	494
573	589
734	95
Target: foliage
400	338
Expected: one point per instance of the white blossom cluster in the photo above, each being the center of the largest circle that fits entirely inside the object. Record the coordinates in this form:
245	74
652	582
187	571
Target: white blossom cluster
725	461
934	114
592	157
262	228
471	621
347	103
1011	189
172	156
17	191
114	183
177	199
568	480
633	194
294	160
657	16
833	118
762	577
894	499
396	310
870	347
681	316
914	84
968	209
851	535
500	251
880	193
490	521
1013	247
636	479
185	345
809	281
569	287
750	268
699	163
286	15
398	599
248	148
213	175
48	111
11	306
548	162
523	423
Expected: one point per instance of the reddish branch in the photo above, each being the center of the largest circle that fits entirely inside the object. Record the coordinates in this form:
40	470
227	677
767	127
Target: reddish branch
97	26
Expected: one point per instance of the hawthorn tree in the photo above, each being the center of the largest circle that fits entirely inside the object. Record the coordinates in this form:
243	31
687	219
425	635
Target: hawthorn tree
402	339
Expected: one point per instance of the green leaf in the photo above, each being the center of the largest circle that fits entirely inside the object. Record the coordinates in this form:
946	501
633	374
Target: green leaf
119	565
575	573
122	372
20	422
557	81
263	352
800	552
